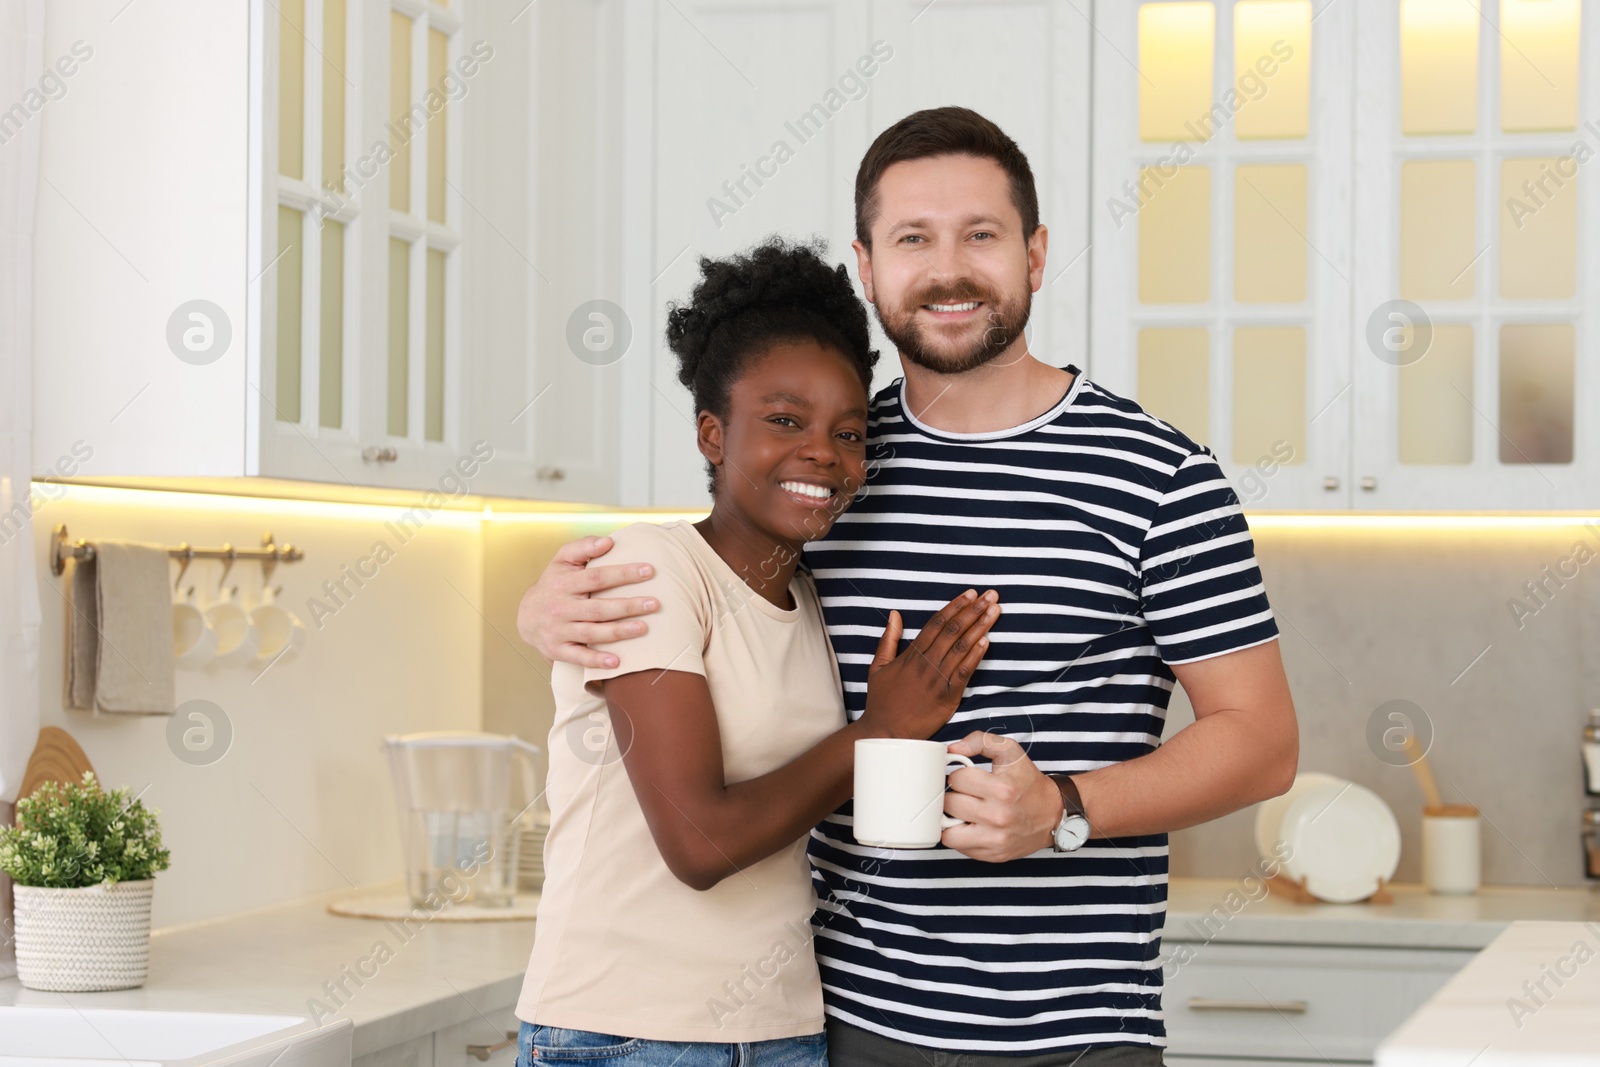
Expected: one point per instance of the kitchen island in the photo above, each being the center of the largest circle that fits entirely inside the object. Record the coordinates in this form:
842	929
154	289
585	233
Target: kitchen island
1531	999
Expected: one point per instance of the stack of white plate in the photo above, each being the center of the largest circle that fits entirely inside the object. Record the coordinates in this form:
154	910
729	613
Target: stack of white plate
530	852
1339	837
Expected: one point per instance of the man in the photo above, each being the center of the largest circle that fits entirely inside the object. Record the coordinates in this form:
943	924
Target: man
1123	563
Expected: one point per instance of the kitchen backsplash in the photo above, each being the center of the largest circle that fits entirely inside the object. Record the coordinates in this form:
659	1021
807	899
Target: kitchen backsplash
423	637
1369	615
1488	634
298	800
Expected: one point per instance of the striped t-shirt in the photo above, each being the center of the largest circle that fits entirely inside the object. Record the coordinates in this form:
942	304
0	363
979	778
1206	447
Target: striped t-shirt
1118	548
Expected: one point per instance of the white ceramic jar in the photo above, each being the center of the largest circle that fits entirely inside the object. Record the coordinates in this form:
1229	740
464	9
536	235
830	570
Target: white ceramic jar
1451	848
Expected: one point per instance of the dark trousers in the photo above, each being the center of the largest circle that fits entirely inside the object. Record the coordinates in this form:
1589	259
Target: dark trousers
849	1046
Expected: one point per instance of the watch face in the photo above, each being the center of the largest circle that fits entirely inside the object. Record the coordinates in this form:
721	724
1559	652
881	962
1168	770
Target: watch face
1072	833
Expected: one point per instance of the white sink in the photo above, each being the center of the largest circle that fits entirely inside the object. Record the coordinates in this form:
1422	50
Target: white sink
97	1037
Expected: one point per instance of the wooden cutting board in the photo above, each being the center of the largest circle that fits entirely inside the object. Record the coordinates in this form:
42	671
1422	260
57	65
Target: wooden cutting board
56	758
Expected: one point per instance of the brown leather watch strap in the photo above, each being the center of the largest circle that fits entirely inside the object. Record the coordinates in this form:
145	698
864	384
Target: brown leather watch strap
1071	801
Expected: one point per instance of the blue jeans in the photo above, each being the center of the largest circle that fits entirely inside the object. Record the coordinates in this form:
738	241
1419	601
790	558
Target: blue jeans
553	1045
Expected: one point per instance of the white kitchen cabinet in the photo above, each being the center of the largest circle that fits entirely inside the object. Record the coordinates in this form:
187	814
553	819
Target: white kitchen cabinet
728	92
418	1052
743	121
1270	184
1474	204
596	151
143	206
1222	258
489	1037
1293	1003
347	186
544	168
362	194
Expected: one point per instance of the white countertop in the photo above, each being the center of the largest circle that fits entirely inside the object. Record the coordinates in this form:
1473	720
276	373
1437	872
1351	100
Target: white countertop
278	959
1221	910
1531	999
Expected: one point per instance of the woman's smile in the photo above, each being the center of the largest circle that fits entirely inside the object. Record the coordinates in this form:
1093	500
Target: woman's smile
808	493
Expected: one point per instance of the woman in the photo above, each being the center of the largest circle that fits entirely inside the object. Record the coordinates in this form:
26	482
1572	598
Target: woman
674	926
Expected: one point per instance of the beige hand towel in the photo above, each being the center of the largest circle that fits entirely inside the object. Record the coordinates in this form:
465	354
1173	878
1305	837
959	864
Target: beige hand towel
120	659
83	628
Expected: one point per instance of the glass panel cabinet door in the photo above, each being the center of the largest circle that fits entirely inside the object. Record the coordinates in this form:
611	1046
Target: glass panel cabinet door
1473	220
1221	238
308	399
422	379
359	256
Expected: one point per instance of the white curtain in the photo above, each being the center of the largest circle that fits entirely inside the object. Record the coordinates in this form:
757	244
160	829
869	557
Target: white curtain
21	64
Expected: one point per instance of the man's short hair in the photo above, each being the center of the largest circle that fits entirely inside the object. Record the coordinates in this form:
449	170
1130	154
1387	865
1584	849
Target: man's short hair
943	131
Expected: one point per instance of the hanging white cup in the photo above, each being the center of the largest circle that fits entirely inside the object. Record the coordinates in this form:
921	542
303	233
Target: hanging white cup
237	639
194	642
281	631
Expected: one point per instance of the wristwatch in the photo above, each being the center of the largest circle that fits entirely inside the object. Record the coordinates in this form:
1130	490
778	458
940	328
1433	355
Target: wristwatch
1073	830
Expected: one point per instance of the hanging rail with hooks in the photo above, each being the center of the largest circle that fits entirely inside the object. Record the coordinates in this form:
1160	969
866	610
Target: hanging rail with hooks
270	554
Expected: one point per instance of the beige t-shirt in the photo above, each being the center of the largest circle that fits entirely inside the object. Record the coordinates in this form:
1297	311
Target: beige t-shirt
622	946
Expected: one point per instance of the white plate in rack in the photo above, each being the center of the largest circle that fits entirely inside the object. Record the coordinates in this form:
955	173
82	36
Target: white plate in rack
1344	840
1269	816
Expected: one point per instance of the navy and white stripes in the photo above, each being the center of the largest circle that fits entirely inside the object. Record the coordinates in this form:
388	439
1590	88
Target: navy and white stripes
1118	548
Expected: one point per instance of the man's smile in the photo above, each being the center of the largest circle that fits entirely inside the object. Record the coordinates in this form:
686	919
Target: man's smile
953	312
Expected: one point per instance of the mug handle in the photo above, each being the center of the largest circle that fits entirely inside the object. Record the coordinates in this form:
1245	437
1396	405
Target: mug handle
946	821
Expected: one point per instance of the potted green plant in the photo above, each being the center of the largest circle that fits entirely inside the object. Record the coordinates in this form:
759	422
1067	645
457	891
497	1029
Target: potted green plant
83	861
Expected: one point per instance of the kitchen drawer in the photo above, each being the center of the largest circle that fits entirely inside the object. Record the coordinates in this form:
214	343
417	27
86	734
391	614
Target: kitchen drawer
450	1045
417	1052
1295	1002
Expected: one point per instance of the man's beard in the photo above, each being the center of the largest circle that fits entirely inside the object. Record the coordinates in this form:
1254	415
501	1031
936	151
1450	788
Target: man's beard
1003	323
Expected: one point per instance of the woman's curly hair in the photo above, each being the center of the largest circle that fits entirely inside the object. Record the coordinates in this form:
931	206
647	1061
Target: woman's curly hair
777	291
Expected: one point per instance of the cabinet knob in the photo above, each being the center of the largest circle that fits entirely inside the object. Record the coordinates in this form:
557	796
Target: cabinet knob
379	454
1368	484
1330	482
550	474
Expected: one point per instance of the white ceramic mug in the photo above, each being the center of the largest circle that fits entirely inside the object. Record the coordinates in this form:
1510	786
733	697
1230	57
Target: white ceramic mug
1451	849
899	792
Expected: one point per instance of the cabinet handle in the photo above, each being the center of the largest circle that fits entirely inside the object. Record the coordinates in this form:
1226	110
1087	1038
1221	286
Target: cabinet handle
1331	482
1369	483
1287	1007
550	474
483	1052
379	454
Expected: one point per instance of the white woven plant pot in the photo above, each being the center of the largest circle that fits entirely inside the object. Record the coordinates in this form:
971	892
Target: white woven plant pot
83	940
